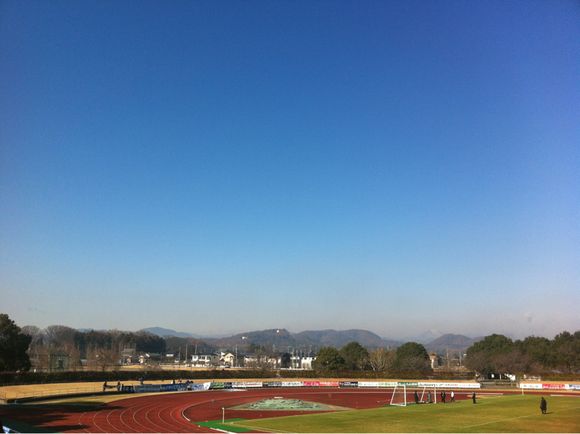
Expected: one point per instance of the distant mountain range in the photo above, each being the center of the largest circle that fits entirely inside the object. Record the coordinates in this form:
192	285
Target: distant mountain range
283	340
163	332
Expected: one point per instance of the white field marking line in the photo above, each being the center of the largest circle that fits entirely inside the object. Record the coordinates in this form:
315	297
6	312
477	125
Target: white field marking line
514	418
568	396
261	428
183	414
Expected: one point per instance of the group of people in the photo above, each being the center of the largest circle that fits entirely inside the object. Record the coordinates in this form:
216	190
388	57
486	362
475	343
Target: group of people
443	397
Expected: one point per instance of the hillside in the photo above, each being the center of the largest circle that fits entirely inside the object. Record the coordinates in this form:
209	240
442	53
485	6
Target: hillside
163	332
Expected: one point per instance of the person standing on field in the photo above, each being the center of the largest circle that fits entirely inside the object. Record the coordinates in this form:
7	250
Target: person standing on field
543	405
452	396
473	398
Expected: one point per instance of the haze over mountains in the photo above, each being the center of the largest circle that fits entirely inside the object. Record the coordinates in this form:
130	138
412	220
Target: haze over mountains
283	339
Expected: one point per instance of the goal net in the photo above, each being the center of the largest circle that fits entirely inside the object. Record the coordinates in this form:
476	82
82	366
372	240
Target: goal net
402	396
399	396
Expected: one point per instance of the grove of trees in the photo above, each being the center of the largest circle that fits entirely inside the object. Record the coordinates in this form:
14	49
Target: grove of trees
409	358
532	355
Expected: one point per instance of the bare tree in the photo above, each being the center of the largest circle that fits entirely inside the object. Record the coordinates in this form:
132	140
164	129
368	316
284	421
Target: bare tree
382	359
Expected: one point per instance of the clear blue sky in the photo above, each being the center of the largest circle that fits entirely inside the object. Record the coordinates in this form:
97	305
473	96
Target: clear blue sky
215	166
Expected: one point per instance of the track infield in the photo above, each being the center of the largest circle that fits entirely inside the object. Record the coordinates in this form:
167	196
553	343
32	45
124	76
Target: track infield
509	413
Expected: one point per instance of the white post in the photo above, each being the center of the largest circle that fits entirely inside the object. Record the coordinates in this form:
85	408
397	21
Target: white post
435	387
405	393
223	415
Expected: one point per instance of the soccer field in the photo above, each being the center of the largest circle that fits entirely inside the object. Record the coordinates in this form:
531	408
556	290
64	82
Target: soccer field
514	413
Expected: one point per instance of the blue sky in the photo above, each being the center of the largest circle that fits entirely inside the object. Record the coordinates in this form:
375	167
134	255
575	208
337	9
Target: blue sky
227	166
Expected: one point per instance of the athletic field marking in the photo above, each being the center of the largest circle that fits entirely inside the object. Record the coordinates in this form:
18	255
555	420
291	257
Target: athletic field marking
260	428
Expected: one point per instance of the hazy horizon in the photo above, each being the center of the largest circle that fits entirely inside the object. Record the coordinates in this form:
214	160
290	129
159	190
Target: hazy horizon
227	166
424	335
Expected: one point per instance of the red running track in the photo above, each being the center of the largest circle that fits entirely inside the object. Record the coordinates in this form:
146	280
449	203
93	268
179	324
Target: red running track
178	412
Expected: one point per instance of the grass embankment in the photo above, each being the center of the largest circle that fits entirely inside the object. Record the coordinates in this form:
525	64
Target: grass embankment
502	414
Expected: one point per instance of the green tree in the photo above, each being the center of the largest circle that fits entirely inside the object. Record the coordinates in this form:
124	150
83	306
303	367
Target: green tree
13	346
412	357
356	357
538	351
566	348
490	355
328	359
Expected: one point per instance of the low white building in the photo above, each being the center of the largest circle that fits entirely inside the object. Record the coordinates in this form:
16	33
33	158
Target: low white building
302	362
204	360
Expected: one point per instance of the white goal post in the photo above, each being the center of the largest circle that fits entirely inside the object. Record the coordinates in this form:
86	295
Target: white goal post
399	396
397	399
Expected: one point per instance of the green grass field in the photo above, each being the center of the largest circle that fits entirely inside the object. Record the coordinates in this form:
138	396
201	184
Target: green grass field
514	413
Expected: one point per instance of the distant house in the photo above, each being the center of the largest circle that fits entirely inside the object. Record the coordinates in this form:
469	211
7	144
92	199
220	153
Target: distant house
149	358
204	360
227	359
302	362
128	356
306	362
262	361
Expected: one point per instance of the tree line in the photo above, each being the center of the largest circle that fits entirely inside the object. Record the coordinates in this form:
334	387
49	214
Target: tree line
409	358
102	350
532	355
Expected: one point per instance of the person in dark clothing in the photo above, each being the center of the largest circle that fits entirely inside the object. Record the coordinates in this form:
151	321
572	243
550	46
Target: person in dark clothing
443	397
473	398
543	405
416	396
105	386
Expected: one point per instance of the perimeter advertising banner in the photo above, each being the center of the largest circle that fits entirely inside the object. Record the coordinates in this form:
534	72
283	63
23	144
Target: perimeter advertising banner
329	384
246	384
272	384
552	386
311	383
449	385
292	384
368	384
348	384
549	386
534	386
